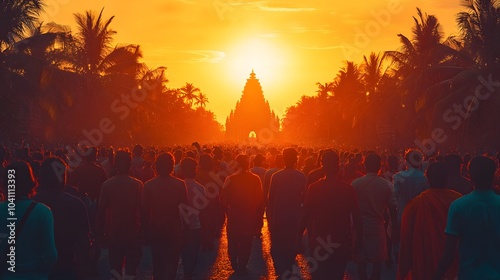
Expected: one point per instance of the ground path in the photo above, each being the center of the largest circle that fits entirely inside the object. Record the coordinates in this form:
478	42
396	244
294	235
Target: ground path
216	265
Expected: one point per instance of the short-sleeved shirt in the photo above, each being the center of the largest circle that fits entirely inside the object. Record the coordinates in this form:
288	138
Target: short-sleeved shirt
122	195
475	219
374	195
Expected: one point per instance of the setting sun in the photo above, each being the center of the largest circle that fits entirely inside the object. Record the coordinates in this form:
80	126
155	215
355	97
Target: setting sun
265	58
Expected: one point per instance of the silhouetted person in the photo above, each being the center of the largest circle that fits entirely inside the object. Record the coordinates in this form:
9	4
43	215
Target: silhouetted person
278	159
212	216
473	226
163	198
286	194
121	196
456	181
242	199
422	228
137	163
197	201
88	179
375	194
318	173
409	183
71	225
329	206
392	168
260	171
35	250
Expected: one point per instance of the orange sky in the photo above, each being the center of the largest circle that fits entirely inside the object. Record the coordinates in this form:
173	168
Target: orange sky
290	44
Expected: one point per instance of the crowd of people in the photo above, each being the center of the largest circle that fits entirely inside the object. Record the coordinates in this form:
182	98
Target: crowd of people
434	217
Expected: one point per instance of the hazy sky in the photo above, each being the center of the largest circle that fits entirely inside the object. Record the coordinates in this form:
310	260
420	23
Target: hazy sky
290	44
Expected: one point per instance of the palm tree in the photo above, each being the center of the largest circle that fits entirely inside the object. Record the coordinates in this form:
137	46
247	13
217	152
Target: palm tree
17	16
94	54
480	30
201	100
324	90
189	93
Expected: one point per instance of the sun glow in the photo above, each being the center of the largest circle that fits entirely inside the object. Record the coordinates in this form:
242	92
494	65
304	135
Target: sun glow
265	58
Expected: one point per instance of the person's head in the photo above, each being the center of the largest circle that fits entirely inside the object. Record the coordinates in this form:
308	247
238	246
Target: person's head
437	175
372	163
482	172
218	153
454	163
90	154
414	158
258	160
393	162
330	162
290	157
206	162
178	155
52	174
188	167
25	181
243	161
123	162
164	164
138	150
279	161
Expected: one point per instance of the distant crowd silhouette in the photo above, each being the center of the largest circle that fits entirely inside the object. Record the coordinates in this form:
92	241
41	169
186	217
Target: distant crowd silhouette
433	217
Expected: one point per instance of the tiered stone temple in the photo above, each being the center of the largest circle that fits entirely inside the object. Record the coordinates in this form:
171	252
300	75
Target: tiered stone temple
252	115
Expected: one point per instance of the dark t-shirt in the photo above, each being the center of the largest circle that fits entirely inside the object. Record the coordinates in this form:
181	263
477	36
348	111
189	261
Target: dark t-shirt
88	178
162	199
121	195
328	208
243	201
71	224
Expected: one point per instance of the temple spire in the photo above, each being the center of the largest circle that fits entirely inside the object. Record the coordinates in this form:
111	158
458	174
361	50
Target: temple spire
252	75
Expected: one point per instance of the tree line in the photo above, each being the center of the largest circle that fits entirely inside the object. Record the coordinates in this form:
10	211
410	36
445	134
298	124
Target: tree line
432	90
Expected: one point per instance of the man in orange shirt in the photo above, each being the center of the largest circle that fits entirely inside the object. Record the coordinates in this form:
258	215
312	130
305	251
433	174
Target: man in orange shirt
422	228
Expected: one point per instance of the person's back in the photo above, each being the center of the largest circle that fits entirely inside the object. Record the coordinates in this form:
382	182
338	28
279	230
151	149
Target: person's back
286	196
474	225
476	219
329	207
71	225
122	194
35	250
422	228
243	199
375	195
286	193
410	183
89	177
162	197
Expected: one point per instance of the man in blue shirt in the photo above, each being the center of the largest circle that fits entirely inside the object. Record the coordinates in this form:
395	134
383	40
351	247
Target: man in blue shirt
474	225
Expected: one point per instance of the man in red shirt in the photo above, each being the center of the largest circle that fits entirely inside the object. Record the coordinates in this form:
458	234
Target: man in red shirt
328	208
